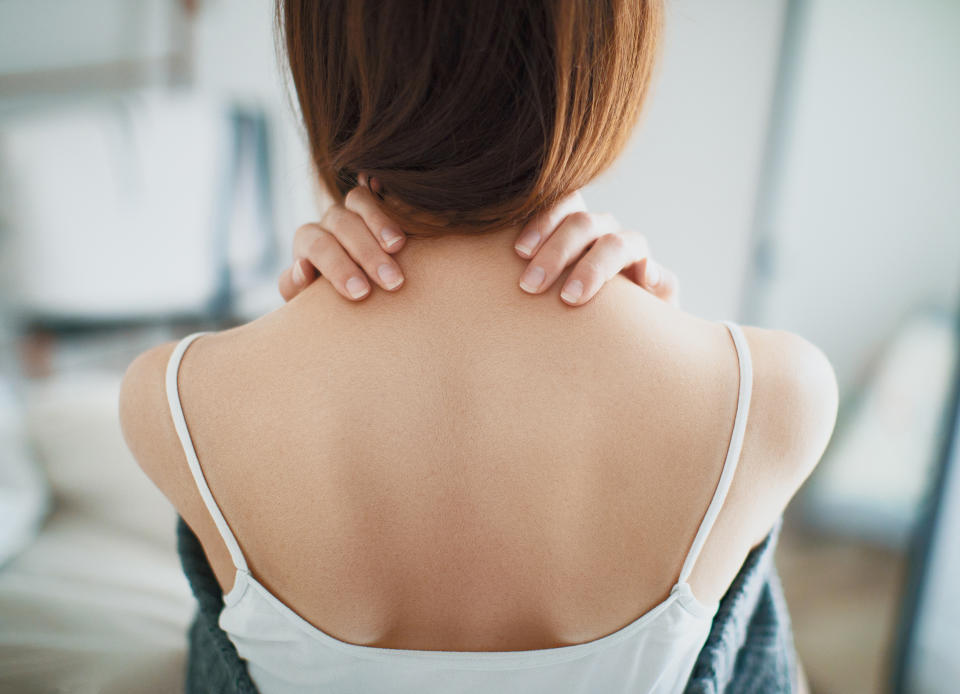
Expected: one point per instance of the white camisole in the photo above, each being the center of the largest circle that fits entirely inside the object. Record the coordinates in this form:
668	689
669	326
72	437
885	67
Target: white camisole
285	654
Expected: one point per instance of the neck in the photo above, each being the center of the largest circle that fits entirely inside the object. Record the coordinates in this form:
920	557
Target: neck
504	237
494	248
462	262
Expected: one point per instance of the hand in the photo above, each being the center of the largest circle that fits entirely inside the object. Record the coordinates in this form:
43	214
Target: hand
356	232
552	241
561	235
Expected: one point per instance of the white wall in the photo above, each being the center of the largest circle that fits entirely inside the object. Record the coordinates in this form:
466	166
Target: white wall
868	213
40	35
689	179
235	56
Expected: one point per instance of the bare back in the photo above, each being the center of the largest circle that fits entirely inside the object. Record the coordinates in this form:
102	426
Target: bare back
460	466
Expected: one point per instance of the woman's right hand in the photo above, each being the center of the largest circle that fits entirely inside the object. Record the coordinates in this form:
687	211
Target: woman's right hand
353	242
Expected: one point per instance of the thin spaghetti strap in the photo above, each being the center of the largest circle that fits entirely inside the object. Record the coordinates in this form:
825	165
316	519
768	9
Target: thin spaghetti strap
180	423
733	449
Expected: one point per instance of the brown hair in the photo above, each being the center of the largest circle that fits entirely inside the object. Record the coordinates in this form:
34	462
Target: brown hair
473	114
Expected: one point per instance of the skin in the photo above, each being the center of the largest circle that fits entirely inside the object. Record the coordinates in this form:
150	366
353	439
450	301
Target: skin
350	246
463	466
539	241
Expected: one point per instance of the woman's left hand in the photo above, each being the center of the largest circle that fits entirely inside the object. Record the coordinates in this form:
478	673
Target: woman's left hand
597	247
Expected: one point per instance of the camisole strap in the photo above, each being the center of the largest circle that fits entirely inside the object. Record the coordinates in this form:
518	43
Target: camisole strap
733	449
176	411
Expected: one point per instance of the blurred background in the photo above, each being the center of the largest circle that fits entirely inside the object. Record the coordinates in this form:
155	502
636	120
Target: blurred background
798	166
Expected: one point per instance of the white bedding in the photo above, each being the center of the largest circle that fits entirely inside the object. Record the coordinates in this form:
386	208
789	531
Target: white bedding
98	602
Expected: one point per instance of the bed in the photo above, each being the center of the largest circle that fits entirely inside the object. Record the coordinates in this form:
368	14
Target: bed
97	602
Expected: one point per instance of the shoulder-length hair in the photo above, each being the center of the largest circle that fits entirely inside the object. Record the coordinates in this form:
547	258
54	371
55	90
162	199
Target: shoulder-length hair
473	114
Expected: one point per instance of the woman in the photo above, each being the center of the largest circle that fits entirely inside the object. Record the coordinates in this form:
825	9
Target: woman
455	486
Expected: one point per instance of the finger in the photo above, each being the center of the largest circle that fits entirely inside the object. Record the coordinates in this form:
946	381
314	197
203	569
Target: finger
566	244
295	279
540	228
364	203
661	282
323	250
609	254
287	288
355	237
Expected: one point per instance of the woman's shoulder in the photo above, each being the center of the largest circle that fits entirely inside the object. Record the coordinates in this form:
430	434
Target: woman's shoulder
147	425
144	409
145	402
794	394
794	388
790	421
794	404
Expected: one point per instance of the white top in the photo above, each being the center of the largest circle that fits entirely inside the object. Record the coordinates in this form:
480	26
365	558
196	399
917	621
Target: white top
286	654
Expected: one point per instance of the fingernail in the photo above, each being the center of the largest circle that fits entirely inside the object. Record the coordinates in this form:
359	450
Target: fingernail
572	291
298	276
391	278
651	275
528	242
390	236
356	287
532	279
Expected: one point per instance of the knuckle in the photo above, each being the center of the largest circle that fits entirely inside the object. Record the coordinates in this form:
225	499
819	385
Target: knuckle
551	258
606	219
372	258
352	198
613	241
637	242
308	228
589	267
580	220
319	245
335	216
340	268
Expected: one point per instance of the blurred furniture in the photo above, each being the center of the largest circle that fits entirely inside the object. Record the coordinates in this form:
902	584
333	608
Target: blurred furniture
128	203
926	656
165	194
97	603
